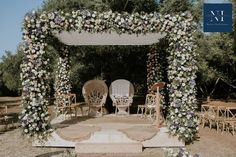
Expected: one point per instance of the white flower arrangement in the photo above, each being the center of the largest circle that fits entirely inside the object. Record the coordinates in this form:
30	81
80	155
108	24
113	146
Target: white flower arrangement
178	152
181	70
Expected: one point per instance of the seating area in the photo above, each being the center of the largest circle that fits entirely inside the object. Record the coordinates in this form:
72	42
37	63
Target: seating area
220	115
95	93
116	133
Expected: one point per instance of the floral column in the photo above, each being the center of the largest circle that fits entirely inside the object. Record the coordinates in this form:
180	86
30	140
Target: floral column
153	69
62	83
156	70
182	68
34	118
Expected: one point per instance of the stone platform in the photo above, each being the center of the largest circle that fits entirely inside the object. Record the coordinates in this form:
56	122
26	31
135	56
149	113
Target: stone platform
110	138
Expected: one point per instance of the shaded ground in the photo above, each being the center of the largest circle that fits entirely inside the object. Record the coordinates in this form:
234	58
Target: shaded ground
213	144
12	144
209	144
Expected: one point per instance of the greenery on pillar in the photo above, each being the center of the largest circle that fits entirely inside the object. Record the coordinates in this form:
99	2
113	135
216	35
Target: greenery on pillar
62	84
153	68
157	63
182	74
157	67
35	117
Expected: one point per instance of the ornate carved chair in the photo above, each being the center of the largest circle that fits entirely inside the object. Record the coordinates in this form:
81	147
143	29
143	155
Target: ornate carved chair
121	92
95	94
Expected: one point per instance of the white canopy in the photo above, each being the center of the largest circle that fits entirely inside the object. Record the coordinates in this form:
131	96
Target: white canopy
85	38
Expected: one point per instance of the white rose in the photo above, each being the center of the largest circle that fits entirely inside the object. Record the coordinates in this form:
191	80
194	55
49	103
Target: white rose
52	24
27	18
176	110
51	16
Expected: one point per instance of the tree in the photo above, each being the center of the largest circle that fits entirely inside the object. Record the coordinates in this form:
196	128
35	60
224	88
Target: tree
133	5
102	5
234	19
69	5
10	70
216	60
217	65
179	6
174	6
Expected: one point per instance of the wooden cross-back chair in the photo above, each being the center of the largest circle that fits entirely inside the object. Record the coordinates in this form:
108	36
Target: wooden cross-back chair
230	120
204	116
213	114
5	117
65	103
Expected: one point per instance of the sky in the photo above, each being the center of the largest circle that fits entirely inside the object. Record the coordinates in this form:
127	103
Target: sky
11	17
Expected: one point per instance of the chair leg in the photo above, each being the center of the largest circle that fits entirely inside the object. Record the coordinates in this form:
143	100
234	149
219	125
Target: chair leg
218	125
227	127
138	110
223	127
6	124
233	129
101	111
203	122
143	112
82	111
232	124
146	112
210	123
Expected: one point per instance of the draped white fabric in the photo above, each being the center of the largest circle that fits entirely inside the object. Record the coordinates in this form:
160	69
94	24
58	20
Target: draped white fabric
85	38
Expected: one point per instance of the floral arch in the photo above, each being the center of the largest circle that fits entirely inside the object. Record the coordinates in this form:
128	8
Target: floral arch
181	70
